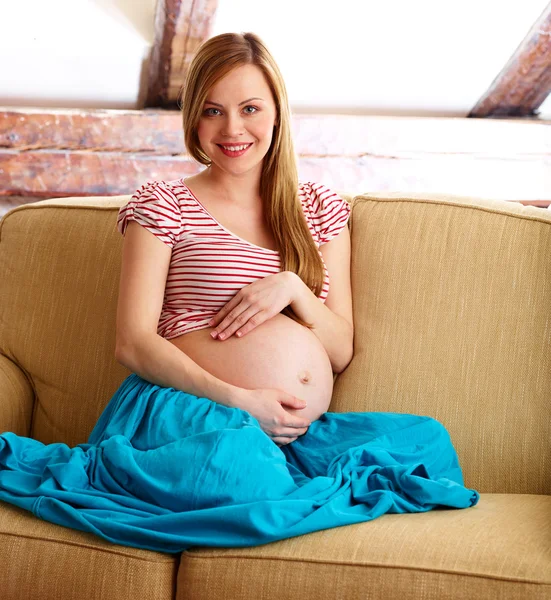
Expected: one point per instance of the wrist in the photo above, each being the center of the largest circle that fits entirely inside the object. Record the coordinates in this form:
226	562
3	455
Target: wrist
295	283
220	391
238	397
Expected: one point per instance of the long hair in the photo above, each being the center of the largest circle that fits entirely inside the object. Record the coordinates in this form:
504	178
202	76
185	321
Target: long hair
279	178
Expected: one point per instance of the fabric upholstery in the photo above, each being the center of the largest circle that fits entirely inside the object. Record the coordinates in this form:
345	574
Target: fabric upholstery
16	398
451	309
441	554
61	261
43	561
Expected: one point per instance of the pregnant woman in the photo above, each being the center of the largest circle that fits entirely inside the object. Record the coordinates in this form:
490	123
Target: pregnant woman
234	313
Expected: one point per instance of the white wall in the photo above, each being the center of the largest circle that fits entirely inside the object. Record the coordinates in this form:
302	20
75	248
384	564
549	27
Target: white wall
401	57
74	53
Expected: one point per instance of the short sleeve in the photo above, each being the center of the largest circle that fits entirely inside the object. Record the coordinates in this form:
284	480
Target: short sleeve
156	208
329	212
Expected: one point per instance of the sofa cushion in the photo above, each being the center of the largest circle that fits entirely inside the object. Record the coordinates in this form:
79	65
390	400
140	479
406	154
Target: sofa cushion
498	549
60	264
451	302
41	560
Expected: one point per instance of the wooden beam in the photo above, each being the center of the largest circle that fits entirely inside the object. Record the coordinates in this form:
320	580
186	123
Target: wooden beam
181	26
46	154
538	203
58	174
150	131
525	82
166	15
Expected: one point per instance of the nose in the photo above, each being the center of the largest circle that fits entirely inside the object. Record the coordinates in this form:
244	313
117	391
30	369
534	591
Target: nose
232	126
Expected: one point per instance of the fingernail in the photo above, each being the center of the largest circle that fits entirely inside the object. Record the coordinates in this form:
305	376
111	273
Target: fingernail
213	334
211	322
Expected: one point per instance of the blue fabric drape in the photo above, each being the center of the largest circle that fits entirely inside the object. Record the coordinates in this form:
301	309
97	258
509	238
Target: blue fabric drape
166	470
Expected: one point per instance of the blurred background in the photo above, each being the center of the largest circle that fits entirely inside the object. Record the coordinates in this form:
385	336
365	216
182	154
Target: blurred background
425	58
414	97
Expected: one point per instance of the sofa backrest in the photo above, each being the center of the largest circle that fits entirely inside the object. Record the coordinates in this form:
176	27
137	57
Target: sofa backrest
59	266
451	308
452	311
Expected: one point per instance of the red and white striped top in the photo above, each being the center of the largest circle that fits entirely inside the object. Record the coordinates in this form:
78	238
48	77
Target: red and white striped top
209	263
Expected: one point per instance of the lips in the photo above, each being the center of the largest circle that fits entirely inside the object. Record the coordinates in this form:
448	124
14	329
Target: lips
234	150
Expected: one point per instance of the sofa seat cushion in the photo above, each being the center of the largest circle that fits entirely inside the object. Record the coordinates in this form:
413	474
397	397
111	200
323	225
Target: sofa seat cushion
500	548
42	560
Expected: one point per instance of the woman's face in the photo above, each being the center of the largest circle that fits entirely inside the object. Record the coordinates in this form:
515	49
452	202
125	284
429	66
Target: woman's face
237	121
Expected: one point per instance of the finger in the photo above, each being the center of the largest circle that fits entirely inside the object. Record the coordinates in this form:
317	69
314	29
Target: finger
224	310
298	424
254	321
227	321
240	321
285	433
281	441
294	436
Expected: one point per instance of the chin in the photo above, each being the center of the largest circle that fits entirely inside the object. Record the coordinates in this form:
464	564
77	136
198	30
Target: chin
240	170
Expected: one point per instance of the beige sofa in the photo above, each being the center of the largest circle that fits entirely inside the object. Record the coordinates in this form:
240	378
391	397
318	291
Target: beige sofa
452	310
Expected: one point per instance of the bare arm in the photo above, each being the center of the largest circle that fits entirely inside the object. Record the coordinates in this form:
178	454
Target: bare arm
145	264
158	361
333	321
334	332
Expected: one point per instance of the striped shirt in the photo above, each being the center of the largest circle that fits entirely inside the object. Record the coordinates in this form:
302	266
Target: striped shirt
209	263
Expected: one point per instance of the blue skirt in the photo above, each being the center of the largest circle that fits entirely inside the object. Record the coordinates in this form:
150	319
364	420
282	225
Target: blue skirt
165	470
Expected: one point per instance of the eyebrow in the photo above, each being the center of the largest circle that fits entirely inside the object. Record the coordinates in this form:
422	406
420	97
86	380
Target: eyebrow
244	102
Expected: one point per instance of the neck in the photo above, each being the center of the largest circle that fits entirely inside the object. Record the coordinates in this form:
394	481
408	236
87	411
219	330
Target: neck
242	190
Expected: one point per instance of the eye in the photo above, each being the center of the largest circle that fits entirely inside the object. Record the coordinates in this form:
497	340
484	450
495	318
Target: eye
208	113
254	109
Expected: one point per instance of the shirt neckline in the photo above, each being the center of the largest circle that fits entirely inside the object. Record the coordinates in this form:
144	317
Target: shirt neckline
194	197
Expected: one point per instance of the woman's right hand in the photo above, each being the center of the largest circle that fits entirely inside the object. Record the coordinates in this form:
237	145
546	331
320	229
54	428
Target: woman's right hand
267	407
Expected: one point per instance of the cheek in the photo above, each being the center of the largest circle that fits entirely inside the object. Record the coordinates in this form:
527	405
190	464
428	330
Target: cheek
208	128
202	130
205	135
265	128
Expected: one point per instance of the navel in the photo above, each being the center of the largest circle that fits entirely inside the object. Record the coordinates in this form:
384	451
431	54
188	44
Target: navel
304	376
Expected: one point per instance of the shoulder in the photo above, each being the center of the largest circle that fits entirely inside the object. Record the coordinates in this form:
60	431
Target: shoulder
154	197
156	207
327	211
156	190
318	192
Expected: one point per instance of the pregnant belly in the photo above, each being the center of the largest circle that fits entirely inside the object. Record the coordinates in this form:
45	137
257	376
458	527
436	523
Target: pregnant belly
280	353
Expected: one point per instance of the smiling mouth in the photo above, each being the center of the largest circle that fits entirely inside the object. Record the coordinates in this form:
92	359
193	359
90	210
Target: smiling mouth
234	150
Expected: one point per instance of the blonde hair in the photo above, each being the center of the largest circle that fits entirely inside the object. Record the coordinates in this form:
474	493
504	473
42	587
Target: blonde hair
279	179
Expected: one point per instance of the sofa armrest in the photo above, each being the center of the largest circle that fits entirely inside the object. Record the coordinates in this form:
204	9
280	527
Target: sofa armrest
16	399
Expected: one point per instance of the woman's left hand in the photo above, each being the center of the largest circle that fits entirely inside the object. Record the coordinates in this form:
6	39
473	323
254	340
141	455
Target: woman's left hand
253	304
